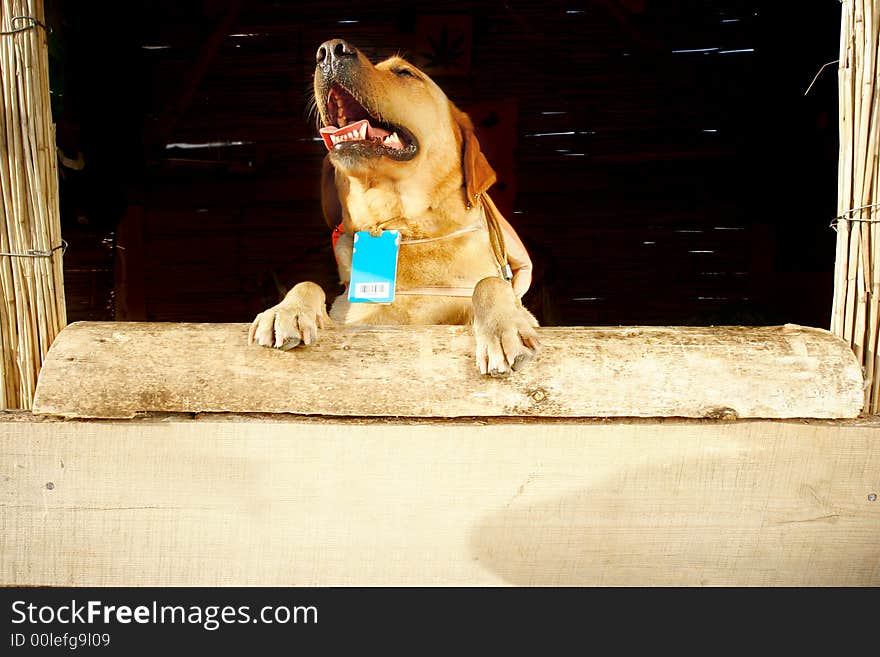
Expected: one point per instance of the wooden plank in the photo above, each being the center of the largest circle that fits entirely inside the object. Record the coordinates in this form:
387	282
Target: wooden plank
117	369
278	501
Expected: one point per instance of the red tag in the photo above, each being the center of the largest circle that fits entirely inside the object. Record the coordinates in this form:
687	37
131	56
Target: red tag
335	237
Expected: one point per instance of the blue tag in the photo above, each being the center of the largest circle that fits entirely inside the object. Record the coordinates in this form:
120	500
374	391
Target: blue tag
374	267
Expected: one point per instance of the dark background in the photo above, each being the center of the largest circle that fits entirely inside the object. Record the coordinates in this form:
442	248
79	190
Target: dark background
651	185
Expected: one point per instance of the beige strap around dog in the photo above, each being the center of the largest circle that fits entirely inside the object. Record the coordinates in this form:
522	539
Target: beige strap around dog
509	249
510	255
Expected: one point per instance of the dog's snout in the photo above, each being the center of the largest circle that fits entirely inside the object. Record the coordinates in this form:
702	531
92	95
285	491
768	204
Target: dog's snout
334	53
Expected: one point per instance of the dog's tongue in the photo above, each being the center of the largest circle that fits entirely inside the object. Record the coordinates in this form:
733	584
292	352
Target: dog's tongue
359	131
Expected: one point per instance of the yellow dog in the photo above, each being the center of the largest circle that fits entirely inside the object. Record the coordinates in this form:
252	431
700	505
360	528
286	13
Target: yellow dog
403	157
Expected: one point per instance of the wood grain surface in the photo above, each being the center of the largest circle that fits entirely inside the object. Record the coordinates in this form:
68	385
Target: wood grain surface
221	501
119	369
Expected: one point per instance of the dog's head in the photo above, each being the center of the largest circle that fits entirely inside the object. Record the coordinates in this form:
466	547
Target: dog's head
391	120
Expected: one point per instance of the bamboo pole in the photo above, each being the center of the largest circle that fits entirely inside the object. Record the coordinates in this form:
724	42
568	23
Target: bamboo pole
32	307
852	274
868	229
873	228
865	182
844	186
856	310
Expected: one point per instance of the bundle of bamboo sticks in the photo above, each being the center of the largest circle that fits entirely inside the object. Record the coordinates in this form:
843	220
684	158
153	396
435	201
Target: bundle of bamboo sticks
856	310
32	308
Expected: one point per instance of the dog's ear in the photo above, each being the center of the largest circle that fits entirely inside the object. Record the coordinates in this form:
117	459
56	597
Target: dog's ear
478	173
330	205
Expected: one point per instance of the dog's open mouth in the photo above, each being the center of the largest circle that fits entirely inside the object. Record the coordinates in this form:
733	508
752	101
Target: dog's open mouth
354	128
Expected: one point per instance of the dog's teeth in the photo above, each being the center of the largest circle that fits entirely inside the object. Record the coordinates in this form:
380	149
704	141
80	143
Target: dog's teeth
352	134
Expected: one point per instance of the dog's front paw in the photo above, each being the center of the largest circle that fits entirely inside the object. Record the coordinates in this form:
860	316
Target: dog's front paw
506	347
292	322
504	330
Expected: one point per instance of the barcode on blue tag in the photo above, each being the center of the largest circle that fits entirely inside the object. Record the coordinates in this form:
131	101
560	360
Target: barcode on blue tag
372	290
373	267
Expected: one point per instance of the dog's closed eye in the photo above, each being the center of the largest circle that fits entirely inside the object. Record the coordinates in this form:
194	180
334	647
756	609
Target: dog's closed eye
404	72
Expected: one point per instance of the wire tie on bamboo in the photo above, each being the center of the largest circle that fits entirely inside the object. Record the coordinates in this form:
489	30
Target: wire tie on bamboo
824	66
33	23
847	216
36	253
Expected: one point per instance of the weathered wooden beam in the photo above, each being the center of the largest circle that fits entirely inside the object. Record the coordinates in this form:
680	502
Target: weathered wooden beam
277	501
119	369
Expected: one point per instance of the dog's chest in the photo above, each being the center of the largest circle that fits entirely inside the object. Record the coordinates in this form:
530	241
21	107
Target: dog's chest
369	207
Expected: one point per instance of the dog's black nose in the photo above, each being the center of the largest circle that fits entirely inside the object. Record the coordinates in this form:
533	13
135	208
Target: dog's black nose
334	53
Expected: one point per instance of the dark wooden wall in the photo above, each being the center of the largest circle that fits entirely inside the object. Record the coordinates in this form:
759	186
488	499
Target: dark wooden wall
652	185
